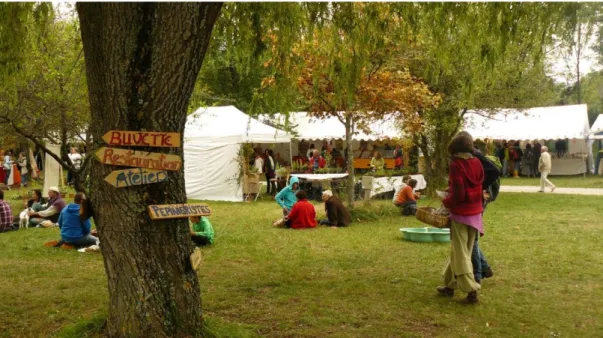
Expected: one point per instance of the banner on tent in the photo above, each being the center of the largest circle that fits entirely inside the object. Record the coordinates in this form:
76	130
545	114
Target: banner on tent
169	211
138	176
142	138
139	159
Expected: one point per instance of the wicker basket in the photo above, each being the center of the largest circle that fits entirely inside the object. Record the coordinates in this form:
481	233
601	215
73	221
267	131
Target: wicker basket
427	215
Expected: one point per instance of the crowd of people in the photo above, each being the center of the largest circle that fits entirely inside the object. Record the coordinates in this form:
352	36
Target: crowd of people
299	213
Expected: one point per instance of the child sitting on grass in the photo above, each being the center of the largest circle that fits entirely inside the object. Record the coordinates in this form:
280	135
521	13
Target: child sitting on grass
202	233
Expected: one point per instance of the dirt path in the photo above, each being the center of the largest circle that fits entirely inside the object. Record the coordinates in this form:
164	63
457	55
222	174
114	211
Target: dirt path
559	190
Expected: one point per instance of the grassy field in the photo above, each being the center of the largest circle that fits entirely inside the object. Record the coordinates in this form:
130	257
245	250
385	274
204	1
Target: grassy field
590	181
362	281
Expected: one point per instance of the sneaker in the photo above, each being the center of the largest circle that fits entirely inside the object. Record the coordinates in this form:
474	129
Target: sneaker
488	273
446	291
553	188
540	190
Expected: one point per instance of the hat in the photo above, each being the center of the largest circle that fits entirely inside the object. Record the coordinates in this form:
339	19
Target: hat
55	189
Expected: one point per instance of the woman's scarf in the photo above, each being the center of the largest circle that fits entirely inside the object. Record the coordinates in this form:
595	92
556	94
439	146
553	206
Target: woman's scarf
463	156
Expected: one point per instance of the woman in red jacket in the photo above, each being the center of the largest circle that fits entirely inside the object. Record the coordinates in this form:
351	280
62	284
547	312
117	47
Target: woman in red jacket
464	201
303	213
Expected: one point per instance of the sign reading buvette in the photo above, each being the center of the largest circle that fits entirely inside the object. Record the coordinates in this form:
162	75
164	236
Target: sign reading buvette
137	176
142	138
167	211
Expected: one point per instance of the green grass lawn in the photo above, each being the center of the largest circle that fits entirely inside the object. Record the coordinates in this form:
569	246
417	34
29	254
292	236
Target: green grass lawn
590	181
361	281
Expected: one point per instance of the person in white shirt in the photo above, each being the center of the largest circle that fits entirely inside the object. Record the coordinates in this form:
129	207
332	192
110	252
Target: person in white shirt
76	160
544	166
7	165
310	151
259	162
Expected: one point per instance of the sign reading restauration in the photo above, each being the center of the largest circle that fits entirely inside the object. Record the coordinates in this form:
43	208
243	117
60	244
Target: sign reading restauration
139	159
142	138
167	211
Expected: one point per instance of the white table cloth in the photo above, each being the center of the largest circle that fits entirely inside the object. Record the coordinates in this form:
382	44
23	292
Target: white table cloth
568	166
319	177
385	184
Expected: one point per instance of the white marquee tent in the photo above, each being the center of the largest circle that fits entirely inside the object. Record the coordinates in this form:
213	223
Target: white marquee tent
212	139
312	128
544	123
596	131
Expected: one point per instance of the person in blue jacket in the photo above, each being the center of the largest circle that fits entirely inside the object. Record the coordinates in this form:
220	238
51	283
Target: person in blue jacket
286	197
74	231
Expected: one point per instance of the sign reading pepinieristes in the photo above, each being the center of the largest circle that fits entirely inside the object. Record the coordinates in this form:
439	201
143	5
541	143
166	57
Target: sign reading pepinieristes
167	211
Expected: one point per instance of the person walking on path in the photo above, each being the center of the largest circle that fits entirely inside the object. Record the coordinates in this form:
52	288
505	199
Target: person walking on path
544	166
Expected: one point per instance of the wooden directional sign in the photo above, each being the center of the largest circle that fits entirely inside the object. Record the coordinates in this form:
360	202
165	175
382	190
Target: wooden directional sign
139	159
137	176
195	259
142	138
167	211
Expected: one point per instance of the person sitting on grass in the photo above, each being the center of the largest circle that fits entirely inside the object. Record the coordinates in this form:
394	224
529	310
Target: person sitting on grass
303	213
286	197
202	233
74	231
398	188
407	199
6	215
337	214
51	210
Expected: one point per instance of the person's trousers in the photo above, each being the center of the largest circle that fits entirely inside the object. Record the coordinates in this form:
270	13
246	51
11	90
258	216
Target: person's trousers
544	181
409	208
7	176
325	221
270	186
200	240
479	262
459	270
85	241
505	171
24	179
597	161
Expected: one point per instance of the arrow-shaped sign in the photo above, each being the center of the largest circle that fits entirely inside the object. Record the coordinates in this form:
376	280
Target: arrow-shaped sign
139	159
138	176
142	138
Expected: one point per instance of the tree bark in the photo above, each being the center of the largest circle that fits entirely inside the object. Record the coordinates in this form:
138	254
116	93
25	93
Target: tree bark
142	61
349	124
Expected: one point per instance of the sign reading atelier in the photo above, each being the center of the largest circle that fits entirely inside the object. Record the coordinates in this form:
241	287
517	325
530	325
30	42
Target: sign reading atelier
142	138
167	211
138	176
139	159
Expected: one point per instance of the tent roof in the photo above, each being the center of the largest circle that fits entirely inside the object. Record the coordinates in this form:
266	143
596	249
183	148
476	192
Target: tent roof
312	128
545	123
597	129
229	125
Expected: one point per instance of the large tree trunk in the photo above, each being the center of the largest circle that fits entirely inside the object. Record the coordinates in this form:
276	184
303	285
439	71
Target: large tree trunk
142	60
349	124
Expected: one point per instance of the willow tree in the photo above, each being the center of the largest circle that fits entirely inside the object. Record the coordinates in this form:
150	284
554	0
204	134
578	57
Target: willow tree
476	56
335	83
142	60
45	97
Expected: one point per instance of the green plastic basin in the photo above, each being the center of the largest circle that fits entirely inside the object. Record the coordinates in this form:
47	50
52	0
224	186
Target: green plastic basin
426	235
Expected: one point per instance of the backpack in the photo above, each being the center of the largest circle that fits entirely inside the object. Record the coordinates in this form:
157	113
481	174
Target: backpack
494	187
